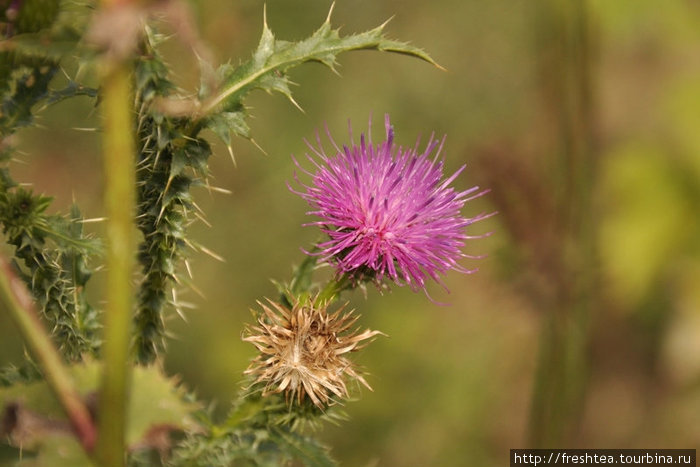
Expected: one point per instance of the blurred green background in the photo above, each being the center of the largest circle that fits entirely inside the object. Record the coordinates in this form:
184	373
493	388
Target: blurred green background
582	326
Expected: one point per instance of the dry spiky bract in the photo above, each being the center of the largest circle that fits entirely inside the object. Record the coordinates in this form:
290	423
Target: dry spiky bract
303	351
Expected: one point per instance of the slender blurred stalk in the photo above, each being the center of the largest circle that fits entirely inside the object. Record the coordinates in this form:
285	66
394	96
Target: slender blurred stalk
565	51
19	304
119	174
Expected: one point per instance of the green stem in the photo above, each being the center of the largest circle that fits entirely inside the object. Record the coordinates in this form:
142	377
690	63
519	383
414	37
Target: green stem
333	288
17	300
119	165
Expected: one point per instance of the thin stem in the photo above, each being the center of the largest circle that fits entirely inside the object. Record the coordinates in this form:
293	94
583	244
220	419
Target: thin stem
333	288
17	301
119	165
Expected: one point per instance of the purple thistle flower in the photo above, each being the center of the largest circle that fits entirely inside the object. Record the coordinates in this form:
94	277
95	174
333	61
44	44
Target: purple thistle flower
387	210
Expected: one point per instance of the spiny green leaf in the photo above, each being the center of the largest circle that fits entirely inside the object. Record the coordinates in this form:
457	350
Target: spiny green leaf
304	448
245	410
72	89
28	88
156	400
268	67
224	123
178	163
58	229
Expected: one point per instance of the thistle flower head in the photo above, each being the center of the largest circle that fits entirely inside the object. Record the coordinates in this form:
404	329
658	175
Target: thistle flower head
303	351
388	211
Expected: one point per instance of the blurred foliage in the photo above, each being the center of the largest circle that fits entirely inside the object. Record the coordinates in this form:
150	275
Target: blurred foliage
36	424
452	385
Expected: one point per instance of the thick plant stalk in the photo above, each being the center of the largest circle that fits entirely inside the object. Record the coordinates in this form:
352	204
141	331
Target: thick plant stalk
170	162
119	165
17	301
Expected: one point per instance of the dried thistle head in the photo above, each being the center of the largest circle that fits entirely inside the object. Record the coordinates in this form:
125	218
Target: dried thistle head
303	351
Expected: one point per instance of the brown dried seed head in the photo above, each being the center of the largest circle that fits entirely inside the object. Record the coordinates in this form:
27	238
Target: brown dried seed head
303	351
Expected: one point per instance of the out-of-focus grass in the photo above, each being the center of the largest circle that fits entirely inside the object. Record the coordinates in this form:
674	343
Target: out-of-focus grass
452	385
